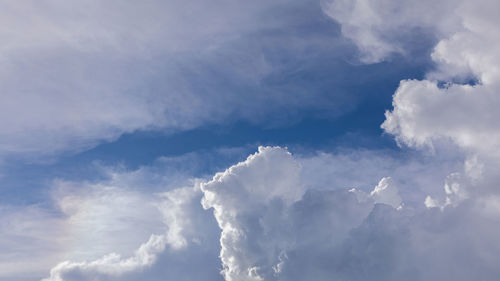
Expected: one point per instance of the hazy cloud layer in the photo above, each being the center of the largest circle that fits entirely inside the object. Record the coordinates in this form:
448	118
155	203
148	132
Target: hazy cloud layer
383	28
76	75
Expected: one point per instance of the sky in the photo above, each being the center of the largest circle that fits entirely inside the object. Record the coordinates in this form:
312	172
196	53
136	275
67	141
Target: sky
249	140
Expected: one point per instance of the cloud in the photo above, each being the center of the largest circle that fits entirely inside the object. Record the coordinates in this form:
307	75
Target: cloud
340	233
384	28
249	200
27	239
340	236
425	114
453	109
446	105
74	76
276	216
387	193
98	214
95	227
455	106
130	224
95	218
111	264
86	224
108	223
270	218
418	174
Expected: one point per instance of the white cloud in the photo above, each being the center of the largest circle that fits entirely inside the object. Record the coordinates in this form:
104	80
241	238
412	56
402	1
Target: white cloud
419	174
444	112
252	199
131	223
467	37
111	264
249	201
334	233
275	216
94	228
424	114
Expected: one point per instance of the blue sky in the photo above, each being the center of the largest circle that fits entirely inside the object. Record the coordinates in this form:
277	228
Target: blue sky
245	141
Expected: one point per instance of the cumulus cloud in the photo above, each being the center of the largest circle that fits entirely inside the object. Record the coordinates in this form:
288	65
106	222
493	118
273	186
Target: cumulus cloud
453	108
341	233
444	106
269	218
425	114
111	264
422	174
249	200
